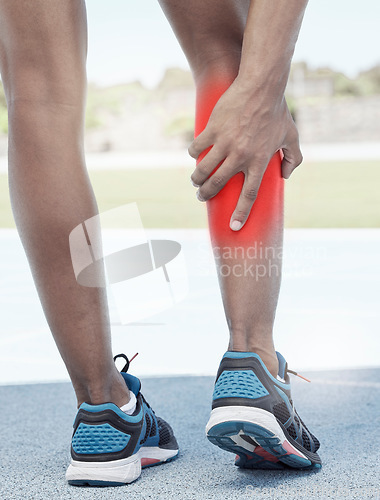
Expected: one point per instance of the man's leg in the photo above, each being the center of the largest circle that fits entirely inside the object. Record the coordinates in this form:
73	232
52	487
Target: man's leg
252	415
249	260
43	48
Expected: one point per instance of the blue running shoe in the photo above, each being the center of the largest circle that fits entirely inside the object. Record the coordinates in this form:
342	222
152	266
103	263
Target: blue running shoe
254	417
109	447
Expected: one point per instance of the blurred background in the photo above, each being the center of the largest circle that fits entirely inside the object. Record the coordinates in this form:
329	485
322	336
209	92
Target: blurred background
139	123
140	115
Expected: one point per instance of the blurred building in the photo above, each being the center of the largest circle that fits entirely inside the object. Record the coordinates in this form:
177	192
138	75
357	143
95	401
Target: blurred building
327	106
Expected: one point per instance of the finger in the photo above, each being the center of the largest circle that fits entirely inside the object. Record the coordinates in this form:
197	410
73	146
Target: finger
292	158
216	181
245	202
200	144
206	166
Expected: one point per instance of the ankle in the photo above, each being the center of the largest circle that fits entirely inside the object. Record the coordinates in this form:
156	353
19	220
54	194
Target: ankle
111	389
270	361
266	353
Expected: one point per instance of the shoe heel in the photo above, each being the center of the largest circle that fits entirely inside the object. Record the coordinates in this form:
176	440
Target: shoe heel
113	473
244	414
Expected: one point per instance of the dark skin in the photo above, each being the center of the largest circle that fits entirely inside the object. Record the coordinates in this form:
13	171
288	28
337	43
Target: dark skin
250	44
43	48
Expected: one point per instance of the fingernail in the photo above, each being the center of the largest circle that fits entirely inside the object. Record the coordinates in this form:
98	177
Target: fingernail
193	183
199	196
236	225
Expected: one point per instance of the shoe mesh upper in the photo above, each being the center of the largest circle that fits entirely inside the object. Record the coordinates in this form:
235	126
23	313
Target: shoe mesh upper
306	439
148	422
292	431
239	383
281	412
153	429
95	439
165	432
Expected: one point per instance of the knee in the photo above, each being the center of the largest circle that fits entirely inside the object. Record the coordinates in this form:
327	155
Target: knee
42	76
42	94
43	51
43	85
43	104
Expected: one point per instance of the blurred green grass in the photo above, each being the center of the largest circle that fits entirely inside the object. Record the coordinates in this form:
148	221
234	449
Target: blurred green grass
320	194
334	194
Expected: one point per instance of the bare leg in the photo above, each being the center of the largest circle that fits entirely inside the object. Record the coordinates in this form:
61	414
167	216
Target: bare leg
43	47
248	261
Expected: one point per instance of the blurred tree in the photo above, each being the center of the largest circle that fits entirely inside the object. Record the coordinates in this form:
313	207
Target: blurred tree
183	126
369	81
100	101
344	86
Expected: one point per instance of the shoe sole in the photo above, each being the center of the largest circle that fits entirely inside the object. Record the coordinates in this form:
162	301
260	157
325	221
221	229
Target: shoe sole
117	472
268	447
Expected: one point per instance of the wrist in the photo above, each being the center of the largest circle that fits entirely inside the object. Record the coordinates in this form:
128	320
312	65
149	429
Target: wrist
260	92
265	79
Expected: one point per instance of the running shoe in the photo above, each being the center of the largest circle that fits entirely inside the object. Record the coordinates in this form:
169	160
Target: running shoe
109	447
253	416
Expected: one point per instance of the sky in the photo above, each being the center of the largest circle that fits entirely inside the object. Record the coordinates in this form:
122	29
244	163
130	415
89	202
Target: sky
132	40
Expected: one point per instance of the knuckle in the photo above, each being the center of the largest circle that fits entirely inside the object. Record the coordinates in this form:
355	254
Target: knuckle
261	159
250	193
242	151
240	215
192	150
194	179
201	195
201	169
296	160
217	181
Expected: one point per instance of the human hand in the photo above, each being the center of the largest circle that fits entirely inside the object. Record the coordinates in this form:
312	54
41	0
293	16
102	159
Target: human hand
244	133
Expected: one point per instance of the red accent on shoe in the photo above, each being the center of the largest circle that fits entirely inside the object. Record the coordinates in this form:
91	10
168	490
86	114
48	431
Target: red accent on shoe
291	450
265	454
148	461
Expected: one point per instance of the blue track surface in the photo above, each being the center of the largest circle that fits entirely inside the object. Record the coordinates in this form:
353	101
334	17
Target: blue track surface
341	407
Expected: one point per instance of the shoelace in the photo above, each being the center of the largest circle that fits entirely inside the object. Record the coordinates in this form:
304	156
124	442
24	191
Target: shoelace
128	361
125	369
297	374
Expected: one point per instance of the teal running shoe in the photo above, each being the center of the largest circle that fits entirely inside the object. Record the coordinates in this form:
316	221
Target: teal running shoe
253	416
109	447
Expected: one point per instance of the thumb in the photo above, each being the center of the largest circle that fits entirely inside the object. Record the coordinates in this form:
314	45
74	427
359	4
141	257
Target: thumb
291	160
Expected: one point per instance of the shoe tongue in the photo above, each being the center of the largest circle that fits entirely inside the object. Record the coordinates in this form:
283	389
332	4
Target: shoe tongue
132	382
281	365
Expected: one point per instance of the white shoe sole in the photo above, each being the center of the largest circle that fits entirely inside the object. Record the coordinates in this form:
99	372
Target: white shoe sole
117	472
227	424
249	414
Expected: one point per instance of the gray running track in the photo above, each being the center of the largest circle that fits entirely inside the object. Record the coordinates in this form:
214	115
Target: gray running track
341	407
